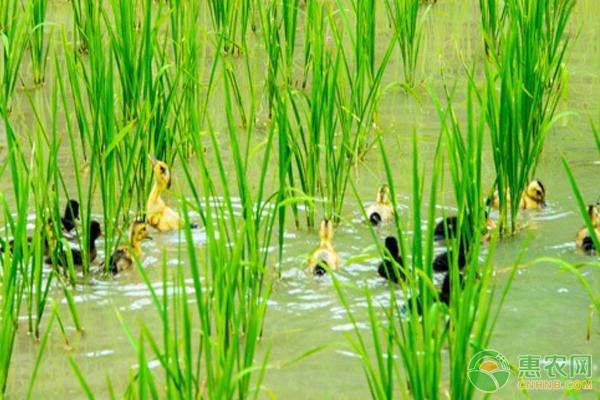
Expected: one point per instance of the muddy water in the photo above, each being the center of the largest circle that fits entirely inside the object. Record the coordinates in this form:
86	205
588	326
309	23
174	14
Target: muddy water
546	311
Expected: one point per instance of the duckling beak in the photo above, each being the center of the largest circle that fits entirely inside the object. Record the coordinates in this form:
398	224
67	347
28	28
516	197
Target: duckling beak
149	238
169	183
543	203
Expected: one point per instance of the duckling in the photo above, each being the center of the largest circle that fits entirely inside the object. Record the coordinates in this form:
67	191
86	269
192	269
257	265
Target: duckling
446	229
159	215
124	256
77	254
68	223
534	197
47	237
442	262
386	268
324	255
71	216
443	294
382	211
583	239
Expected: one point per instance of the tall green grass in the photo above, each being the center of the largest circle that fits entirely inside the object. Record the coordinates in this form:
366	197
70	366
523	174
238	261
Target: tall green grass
525	82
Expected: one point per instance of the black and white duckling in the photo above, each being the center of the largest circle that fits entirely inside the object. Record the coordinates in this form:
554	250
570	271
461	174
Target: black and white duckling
158	214
381	212
324	256
583	239
124	256
534	197
390	267
442	262
447	227
77	255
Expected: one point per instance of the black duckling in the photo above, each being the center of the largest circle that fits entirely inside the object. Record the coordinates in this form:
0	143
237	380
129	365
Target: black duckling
124	256
77	254
446	229
71	216
442	262
443	294
390	268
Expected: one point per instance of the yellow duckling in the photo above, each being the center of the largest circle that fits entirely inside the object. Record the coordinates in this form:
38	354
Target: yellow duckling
381	212
158	214
124	256
584	240
534	197
324	255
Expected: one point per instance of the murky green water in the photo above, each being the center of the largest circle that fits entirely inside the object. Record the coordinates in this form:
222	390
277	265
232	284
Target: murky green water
546	311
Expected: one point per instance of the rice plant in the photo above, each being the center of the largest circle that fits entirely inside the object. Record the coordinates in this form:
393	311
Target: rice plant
14	37
38	43
407	23
523	89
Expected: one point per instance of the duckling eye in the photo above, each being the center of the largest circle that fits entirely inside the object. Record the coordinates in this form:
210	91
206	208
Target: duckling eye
162	170
539	192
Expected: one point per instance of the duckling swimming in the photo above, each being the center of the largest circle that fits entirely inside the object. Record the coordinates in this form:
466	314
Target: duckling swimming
324	255
446	229
159	215
77	254
534	197
583	239
124	256
382	211
390	268
442	262
68	222
71	216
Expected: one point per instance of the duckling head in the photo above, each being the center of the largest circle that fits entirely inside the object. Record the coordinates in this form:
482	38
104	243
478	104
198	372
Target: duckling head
594	213
320	269
536	191
391	244
326	232
162	172
138	232
72	210
383	195
95	230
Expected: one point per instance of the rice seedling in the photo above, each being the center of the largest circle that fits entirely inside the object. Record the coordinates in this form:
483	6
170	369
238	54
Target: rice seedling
523	89
407	24
230	20
493	14
38	44
14	37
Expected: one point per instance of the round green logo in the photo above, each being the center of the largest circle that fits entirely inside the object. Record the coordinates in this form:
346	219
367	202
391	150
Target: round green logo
488	371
